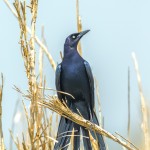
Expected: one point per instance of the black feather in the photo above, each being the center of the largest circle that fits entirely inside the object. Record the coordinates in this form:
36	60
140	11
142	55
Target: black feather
74	76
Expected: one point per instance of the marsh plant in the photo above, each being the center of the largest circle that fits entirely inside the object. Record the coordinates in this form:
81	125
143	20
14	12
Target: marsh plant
42	126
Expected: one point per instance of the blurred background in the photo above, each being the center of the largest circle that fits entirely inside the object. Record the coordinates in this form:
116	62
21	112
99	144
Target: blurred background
117	29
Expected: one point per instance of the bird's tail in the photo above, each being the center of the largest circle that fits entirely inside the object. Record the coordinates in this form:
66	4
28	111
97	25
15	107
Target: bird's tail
76	141
97	136
86	139
63	134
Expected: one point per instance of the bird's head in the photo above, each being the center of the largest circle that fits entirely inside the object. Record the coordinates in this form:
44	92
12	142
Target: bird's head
73	39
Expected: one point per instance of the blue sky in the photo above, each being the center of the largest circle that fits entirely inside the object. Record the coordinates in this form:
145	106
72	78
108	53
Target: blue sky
117	28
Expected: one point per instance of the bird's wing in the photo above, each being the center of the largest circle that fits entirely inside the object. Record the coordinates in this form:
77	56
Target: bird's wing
57	81
98	137
91	82
64	124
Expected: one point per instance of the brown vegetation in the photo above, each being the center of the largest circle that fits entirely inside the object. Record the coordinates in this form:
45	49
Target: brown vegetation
40	134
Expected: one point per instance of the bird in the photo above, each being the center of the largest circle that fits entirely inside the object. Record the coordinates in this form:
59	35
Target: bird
74	76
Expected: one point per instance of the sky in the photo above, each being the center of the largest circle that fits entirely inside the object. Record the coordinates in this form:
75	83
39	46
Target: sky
117	29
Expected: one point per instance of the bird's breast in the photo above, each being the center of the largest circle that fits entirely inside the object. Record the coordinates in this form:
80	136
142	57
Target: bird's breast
73	80
73	74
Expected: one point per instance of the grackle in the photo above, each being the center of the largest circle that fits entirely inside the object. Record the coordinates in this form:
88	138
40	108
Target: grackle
74	76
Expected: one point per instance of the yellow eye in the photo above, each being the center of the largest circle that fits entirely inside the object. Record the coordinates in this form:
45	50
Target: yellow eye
73	36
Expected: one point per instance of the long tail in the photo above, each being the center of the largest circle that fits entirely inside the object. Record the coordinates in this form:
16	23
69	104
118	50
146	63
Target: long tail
86	139
76	142
97	136
63	134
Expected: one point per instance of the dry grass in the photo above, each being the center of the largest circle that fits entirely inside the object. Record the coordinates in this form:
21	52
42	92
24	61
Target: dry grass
55	105
52	103
2	147
79	25
39	134
39	127
144	108
37	40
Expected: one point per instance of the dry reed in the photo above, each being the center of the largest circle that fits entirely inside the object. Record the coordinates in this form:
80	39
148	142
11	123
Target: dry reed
99	103
2	147
128	128
79	25
143	106
39	127
37	40
55	105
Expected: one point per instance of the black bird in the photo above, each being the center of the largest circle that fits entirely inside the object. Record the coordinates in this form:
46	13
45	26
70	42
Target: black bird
74	76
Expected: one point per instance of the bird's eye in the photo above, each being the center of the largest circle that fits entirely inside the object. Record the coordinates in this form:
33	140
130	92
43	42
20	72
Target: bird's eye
73	36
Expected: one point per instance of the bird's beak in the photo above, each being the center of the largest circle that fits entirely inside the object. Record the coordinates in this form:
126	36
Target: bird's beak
81	34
